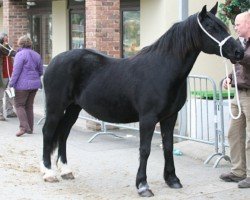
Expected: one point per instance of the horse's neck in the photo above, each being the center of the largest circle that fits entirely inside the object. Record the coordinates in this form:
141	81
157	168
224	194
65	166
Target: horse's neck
188	63
181	66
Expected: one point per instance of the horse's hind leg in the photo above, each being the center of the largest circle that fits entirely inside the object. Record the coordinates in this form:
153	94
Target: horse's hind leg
63	130
50	139
167	127
147	126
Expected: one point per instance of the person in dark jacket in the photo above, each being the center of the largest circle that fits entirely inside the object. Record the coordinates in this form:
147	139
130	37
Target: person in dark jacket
239	131
6	67
28	68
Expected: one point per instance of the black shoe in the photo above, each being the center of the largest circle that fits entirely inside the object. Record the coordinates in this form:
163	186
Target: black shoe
12	115
230	177
2	118
244	183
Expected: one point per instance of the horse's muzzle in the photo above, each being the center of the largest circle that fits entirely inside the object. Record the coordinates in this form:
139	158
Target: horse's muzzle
239	54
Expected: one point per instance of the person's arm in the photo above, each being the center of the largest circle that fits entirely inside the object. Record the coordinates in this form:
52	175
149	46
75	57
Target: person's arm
40	67
18	67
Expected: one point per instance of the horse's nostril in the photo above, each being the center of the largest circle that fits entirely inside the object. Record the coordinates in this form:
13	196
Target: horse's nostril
239	54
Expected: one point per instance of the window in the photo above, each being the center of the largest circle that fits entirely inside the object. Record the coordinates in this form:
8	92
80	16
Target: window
41	35
130	13
77	24
40	21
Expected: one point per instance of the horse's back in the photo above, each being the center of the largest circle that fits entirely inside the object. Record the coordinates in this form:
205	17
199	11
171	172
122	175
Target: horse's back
96	82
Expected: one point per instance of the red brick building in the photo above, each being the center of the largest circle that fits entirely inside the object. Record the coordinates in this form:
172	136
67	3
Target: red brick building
97	24
116	27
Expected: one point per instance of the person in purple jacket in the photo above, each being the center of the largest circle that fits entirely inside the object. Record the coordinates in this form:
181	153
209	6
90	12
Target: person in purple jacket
28	68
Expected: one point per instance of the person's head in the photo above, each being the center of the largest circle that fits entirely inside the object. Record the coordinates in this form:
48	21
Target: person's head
242	25
4	38
24	42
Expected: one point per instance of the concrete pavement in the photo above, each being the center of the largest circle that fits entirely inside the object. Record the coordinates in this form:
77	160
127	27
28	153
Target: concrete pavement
106	168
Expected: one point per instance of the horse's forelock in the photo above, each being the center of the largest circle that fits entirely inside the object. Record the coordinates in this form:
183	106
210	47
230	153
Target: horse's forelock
218	21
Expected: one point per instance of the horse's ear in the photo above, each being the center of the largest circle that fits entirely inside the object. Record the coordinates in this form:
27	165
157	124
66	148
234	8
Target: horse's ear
214	9
203	12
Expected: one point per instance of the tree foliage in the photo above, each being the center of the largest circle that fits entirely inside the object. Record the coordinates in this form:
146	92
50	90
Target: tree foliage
231	8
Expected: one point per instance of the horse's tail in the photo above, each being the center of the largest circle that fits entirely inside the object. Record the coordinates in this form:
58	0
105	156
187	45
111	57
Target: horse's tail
54	108
50	139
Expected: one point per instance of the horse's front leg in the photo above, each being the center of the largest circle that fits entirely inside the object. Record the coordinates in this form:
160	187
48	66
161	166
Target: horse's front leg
147	126
167	128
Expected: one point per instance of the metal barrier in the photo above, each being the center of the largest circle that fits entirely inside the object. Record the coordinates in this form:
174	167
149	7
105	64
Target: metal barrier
198	120
201	118
221	132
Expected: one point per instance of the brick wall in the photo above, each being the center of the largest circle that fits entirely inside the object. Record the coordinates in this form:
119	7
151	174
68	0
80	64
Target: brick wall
1	17
103	31
15	22
103	26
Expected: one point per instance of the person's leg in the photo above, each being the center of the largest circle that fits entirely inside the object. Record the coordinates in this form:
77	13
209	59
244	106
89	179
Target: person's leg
20	100
9	102
1	103
29	109
236	140
246	109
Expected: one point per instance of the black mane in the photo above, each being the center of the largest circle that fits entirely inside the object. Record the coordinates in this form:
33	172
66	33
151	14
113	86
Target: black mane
179	39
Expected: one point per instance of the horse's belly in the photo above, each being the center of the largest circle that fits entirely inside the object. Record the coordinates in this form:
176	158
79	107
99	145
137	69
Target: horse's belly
112	114
106	109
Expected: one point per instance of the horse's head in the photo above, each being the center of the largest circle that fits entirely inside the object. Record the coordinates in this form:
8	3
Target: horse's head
215	36
5	49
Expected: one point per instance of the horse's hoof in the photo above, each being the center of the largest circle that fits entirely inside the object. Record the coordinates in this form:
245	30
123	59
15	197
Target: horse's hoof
68	176
51	179
175	185
146	193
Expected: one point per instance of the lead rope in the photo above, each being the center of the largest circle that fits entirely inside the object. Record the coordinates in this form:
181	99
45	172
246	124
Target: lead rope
10	50
236	92
226	67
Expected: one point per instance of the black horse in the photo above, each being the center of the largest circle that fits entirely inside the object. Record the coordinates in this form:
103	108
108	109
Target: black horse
149	87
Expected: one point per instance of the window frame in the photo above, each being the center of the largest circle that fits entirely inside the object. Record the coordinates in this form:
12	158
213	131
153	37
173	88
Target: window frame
74	8
126	5
39	10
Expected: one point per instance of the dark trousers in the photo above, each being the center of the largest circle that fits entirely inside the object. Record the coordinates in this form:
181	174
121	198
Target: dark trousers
23	102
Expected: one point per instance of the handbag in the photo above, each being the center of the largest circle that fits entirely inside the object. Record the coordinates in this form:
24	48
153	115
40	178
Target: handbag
10	91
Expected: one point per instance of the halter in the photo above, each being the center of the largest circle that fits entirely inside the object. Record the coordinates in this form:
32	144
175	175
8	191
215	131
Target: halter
10	50
234	73
214	39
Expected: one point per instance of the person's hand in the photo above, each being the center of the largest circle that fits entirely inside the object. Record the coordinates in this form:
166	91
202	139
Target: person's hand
226	81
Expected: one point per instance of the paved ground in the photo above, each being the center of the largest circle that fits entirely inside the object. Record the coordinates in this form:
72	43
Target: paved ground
106	168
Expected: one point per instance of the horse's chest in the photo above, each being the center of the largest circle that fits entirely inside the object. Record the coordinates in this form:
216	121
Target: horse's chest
174	101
